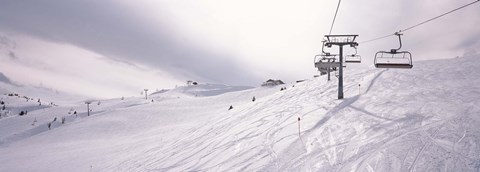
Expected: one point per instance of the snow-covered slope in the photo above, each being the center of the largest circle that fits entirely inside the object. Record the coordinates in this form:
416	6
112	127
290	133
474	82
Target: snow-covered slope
423	119
201	90
47	95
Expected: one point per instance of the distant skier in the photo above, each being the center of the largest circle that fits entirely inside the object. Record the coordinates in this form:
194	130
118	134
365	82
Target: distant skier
49	125
253	99
54	119
230	108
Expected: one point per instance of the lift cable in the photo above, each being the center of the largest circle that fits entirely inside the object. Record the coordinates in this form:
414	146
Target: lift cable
426	21
333	22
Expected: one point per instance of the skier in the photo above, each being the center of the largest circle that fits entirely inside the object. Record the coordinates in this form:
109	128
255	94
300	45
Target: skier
253	99
231	107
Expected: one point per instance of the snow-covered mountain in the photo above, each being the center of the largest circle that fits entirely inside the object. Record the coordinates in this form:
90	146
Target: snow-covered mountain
423	119
47	95
201	90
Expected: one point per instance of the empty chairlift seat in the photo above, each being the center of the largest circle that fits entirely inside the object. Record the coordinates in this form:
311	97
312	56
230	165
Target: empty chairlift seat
393	59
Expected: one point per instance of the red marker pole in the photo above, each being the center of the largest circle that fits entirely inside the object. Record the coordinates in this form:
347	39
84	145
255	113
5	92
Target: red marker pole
358	89
298	126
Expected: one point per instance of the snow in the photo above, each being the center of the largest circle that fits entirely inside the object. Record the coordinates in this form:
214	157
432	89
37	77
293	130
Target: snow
423	119
201	90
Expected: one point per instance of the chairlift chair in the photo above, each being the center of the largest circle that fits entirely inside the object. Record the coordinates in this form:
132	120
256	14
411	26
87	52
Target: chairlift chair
325	60
394	58
354	58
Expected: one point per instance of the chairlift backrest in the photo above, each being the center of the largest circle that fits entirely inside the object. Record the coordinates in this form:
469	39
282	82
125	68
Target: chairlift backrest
353	59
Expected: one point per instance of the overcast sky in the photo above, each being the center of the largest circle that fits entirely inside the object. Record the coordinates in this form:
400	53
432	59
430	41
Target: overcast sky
112	48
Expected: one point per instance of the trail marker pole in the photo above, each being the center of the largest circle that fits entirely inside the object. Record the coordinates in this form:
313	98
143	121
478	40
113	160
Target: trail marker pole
298	126
358	89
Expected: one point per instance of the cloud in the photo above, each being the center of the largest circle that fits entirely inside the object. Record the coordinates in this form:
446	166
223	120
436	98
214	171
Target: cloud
240	42
114	30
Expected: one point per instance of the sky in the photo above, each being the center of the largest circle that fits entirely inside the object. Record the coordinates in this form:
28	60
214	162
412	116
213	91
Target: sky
114	48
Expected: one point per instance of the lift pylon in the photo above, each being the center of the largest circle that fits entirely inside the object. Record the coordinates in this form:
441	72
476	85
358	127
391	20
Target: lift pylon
340	41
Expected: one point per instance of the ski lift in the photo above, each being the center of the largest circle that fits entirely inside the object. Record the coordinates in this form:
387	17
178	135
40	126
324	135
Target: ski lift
326	63
394	58
354	58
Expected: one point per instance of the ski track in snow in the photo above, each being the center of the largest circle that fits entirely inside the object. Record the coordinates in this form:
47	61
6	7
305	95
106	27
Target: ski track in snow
423	119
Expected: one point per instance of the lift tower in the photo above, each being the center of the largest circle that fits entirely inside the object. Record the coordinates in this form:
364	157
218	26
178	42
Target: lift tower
340	41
